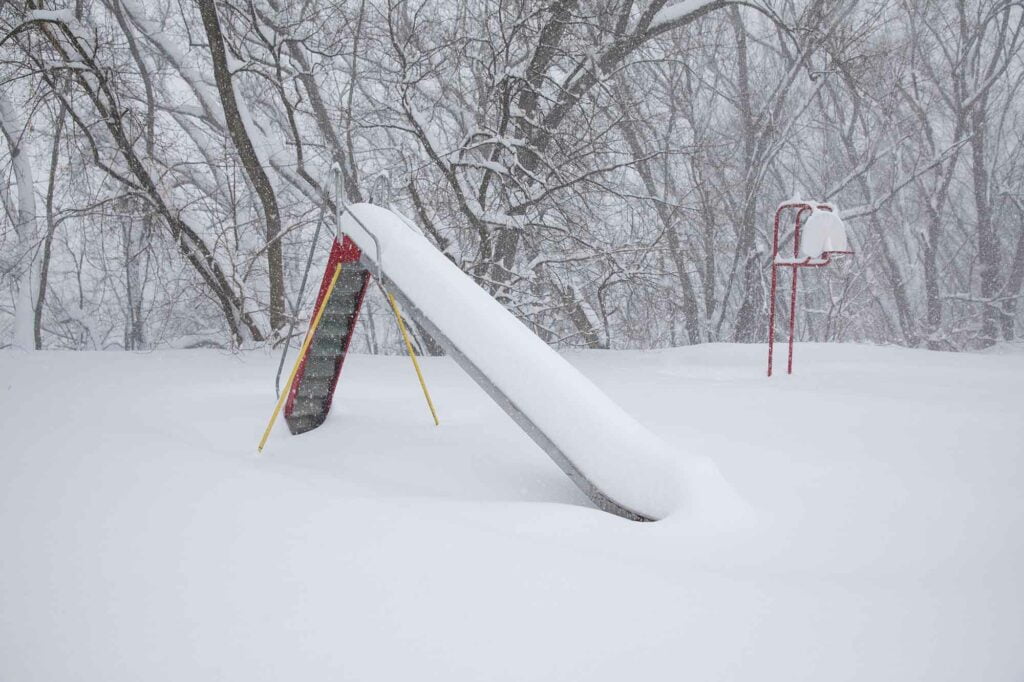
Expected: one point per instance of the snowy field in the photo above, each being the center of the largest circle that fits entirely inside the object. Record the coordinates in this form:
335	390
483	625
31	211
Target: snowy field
142	539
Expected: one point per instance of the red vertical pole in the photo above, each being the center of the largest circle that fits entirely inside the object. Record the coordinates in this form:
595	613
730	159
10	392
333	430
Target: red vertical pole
792	300
792	321
771	308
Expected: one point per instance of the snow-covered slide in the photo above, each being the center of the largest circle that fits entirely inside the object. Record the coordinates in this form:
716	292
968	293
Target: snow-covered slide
624	468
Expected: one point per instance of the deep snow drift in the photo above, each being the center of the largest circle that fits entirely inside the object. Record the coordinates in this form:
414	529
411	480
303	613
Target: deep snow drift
143	539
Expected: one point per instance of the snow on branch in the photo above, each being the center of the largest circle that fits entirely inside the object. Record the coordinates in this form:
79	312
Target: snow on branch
673	13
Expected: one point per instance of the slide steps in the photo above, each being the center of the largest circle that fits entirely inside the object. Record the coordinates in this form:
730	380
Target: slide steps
313	388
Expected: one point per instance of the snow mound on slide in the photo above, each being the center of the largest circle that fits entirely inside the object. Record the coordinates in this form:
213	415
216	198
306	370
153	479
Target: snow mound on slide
622	458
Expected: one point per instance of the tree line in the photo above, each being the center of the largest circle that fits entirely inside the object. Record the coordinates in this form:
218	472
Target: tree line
607	169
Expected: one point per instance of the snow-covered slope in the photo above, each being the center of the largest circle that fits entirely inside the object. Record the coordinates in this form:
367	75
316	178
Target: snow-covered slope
142	539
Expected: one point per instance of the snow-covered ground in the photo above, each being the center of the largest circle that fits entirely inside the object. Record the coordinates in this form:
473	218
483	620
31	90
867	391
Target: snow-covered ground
142	539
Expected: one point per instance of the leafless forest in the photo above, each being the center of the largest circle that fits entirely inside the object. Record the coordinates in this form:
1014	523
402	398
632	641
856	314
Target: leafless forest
608	169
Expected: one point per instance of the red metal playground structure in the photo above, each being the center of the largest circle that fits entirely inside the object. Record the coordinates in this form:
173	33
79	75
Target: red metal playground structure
814	244
610	456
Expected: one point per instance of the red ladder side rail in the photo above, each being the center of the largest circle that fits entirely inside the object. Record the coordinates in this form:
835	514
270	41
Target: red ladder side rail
344	252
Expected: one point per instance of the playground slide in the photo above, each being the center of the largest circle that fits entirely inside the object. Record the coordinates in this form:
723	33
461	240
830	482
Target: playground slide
619	464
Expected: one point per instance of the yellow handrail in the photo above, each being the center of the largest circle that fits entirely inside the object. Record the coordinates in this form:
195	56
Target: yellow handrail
412	354
298	361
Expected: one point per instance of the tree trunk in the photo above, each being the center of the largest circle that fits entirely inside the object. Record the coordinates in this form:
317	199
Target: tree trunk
1014	286
51	227
750	318
249	158
24	228
988	243
933	303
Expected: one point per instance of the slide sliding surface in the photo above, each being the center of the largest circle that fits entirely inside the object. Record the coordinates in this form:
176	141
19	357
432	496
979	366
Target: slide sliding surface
620	465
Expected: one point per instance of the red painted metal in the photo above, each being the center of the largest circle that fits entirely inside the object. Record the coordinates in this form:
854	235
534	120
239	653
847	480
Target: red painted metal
344	252
802	208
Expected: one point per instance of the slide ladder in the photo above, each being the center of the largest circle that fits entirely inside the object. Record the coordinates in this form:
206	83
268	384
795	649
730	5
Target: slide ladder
309	399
